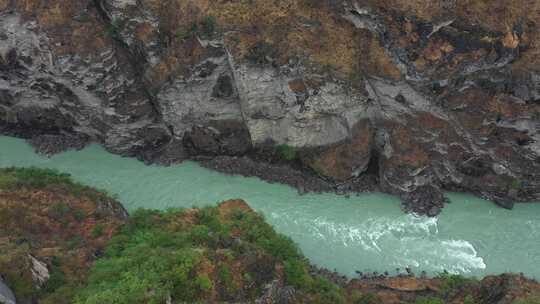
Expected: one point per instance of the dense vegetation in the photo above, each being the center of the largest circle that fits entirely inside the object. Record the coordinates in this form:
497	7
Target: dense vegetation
16	179
46	217
225	253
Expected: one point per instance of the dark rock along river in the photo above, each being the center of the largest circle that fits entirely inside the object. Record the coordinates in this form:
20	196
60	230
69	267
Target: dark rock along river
368	232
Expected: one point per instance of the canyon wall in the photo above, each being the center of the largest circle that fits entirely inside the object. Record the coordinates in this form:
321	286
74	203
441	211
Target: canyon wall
424	96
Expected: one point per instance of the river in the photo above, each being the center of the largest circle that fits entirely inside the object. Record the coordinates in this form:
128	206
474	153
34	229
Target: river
368	232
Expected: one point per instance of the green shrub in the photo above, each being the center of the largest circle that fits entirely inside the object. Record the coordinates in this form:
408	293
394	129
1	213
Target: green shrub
79	214
74	242
531	300
22	285
367	298
182	35
98	230
37	178
469	300
208	26
157	255
209	216
55	281
327	292
260	234
248	278
286	152
113	30
429	300
224	274
62	295
226	279
200	234
516	184
296	273
204	284
142	219
32	177
281	247
140	270
58	211
453	282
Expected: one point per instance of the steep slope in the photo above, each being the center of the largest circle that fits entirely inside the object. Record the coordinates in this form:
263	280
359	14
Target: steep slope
409	97
51	231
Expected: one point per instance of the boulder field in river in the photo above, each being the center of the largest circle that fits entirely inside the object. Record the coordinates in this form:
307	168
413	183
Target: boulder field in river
407	97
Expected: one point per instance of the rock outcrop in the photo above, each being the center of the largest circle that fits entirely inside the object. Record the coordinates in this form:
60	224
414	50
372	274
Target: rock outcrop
501	289
423	96
6	295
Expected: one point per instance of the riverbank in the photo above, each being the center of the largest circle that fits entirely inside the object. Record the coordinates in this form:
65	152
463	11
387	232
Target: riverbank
269	164
367	233
212	254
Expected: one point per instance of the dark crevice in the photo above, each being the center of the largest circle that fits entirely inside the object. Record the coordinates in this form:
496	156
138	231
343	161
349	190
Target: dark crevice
102	11
136	58
373	165
523	141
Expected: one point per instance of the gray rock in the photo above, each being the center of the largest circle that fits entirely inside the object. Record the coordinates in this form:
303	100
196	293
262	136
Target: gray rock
185	103
275	292
6	295
273	113
40	272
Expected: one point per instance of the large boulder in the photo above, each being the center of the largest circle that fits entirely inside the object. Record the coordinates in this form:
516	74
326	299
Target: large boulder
345	160
6	295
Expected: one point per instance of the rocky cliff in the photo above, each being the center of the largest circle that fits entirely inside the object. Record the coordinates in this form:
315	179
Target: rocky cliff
408	97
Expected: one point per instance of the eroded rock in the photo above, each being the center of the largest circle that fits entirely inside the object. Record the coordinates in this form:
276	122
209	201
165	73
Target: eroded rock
6	295
348	159
40	272
431	96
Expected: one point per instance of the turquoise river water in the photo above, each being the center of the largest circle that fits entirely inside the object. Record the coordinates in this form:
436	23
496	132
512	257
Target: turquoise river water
366	233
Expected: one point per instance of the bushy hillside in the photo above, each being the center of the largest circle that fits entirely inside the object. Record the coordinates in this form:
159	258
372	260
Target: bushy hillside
51	231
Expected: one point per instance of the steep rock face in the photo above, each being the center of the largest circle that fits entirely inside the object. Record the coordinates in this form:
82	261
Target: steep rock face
63	75
428	95
347	159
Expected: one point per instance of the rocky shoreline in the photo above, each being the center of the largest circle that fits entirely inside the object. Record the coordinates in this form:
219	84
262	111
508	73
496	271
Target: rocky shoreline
264	164
407	286
302	179
272	170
